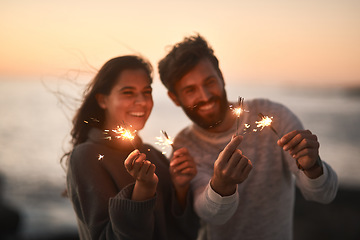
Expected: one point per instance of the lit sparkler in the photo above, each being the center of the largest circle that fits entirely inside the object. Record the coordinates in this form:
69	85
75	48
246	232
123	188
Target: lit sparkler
266	122
164	141
237	111
122	133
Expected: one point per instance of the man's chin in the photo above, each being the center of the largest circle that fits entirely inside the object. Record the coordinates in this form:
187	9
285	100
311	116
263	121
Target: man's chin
205	124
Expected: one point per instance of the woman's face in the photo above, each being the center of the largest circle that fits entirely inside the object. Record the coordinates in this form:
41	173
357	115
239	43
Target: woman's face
130	100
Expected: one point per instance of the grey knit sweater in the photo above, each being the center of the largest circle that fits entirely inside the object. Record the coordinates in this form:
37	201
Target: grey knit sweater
262	207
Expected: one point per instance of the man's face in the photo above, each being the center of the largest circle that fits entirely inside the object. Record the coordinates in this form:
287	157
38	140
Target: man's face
202	96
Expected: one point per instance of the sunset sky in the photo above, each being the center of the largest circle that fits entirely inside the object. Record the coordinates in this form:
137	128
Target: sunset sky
295	42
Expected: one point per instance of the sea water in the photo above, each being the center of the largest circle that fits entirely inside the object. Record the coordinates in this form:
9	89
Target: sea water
35	123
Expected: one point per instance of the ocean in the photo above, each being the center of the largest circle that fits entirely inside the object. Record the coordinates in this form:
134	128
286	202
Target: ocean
35	125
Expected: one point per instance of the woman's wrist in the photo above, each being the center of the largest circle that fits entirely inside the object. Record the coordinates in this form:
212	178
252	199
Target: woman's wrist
143	191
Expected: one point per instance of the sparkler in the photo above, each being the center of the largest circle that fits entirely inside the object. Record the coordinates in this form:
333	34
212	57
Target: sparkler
123	133
237	111
164	141
266	122
100	157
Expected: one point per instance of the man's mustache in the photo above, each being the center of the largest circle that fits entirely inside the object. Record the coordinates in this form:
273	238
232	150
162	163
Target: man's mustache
202	103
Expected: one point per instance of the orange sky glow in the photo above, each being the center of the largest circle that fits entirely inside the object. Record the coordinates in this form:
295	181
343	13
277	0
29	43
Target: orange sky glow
290	42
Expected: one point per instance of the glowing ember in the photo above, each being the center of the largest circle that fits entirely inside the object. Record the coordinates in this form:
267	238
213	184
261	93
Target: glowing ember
266	122
237	111
100	157
124	133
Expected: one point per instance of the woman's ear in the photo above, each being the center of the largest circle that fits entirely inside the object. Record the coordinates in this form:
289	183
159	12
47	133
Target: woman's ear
101	99
173	98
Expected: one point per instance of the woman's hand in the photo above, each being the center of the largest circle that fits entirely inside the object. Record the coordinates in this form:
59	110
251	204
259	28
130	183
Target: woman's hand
182	168
143	171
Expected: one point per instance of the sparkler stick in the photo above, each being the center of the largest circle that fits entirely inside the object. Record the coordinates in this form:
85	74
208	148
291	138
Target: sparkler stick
266	122
164	141
168	139
237	111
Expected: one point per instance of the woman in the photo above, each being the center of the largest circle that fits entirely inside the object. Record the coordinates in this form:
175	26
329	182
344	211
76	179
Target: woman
118	192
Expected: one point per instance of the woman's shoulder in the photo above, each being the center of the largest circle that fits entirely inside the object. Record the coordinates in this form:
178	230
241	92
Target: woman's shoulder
86	152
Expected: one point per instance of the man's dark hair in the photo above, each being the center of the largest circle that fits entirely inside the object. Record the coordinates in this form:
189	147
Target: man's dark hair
183	57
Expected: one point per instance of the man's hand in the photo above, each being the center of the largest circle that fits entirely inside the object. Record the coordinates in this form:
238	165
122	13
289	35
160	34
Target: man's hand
304	147
230	169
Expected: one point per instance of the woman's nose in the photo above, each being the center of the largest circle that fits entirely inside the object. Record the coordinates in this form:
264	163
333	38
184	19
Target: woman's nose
140	99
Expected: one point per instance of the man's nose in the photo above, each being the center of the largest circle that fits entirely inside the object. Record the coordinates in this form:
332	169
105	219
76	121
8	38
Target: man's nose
204	94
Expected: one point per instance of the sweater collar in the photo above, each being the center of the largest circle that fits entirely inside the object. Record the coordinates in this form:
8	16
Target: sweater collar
213	137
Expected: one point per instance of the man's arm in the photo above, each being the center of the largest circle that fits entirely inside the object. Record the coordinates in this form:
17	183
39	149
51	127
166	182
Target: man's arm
317	181
218	201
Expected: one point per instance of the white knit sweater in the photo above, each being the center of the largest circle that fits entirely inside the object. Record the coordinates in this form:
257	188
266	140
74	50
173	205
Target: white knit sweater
262	207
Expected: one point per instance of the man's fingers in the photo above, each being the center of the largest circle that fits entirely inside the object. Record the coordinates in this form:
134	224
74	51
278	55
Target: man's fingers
294	138
234	159
303	145
247	170
229	149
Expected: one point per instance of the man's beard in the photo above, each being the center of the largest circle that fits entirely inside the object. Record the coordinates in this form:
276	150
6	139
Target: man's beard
210	121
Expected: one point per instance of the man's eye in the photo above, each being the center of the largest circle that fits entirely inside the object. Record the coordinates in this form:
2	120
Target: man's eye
189	90
210	82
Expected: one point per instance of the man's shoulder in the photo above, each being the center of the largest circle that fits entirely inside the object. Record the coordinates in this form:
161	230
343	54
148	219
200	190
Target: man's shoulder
184	136
264	103
266	106
185	131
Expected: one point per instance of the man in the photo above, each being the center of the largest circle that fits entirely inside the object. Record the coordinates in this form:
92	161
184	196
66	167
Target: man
246	191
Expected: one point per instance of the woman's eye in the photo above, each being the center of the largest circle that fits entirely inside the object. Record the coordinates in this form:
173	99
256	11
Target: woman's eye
127	93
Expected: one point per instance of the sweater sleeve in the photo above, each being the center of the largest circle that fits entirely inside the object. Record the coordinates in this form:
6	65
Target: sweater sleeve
322	189
213	208
130	219
103	212
209	205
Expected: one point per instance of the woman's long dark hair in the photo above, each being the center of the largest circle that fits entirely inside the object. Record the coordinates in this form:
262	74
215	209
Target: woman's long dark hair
90	114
